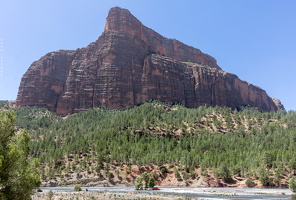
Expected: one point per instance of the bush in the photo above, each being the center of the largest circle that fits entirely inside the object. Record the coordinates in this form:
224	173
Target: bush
177	174
61	183
292	184
264	177
139	184
250	183
186	175
194	175
50	194
77	188
145	179
225	174
164	170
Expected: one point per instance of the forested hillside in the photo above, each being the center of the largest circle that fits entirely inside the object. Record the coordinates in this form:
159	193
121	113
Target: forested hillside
213	144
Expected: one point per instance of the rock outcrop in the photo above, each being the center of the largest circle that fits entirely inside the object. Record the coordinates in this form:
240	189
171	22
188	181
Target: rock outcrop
128	65
278	104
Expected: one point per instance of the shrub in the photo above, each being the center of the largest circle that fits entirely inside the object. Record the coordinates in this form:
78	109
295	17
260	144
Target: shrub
61	183
186	175
177	174
264	177
250	183
194	175
77	188
50	194
164	170
225	174
139	184
146	179
292	184
117	172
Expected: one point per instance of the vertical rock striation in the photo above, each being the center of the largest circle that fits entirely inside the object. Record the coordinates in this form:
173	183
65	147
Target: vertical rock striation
128	65
44	81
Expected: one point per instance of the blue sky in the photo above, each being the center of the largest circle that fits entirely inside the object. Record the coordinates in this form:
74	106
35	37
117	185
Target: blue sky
254	39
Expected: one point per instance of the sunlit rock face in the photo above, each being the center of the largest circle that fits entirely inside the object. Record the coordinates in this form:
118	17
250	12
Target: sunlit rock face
128	65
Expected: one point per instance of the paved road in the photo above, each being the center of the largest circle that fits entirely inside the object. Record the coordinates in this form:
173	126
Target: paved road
205	193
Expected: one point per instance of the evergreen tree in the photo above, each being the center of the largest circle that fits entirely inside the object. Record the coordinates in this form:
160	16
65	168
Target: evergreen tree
225	173
18	175
145	179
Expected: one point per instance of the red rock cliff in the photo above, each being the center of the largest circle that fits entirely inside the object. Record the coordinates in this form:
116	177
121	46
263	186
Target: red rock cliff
128	65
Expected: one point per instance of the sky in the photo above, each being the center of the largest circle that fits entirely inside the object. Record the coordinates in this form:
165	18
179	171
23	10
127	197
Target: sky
254	39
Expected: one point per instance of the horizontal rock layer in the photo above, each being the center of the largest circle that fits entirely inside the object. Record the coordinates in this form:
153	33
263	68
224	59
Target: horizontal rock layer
128	65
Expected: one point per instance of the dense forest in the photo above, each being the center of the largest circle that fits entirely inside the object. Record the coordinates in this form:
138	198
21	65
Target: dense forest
242	142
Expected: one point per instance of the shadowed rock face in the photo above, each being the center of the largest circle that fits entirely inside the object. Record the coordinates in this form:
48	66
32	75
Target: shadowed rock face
128	65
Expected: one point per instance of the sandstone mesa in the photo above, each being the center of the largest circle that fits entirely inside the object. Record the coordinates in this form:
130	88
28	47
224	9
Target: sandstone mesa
128	65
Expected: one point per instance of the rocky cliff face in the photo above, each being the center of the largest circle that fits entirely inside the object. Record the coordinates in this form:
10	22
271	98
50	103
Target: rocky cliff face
128	65
278	104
